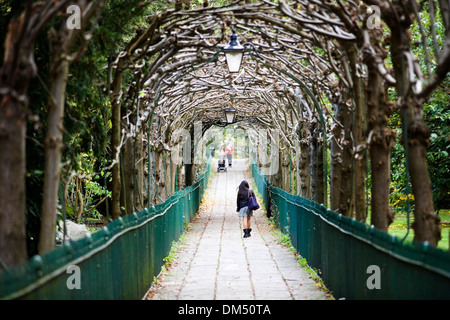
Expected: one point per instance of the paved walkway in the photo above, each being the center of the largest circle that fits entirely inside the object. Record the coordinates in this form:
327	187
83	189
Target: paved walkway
215	262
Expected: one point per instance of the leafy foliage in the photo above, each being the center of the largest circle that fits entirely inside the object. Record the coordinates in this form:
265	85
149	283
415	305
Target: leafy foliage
437	112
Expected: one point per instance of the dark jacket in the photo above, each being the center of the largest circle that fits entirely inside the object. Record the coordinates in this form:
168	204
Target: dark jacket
243	202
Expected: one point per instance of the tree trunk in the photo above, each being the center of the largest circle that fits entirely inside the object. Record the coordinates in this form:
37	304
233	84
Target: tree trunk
426	222
285	161
189	172
298	178
304	162
180	177
63	43
160	175
15	74
172	173
129	188
140	176
336	159
320	174
151	177
79	198
116	139
359	129
380	145
317	189
13	249
53	150
345	191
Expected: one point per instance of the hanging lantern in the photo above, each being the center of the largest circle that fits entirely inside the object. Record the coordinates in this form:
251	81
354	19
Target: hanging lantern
234	54
230	114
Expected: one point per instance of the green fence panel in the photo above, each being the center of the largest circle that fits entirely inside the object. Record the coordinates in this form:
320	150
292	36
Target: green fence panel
119	261
345	251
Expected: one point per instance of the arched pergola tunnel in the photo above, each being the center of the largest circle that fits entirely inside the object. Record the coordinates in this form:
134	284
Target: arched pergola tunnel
320	78
315	77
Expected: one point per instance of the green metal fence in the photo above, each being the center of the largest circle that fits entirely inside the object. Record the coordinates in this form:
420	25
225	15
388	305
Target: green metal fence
119	261
356	261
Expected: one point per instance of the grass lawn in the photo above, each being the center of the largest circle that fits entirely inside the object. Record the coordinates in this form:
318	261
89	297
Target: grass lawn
399	228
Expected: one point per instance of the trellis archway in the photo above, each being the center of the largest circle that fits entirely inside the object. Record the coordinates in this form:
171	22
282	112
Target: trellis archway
341	60
332	47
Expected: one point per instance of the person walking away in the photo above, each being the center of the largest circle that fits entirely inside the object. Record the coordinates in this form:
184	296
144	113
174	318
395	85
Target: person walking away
230	150
244	192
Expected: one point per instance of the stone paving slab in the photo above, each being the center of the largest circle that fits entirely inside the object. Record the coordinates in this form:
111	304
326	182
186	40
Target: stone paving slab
214	261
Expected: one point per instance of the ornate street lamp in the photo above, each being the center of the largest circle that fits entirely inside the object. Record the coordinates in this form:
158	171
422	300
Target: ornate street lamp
230	115
234	53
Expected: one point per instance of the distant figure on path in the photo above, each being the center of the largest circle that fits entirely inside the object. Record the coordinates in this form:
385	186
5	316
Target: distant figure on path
230	154
242	206
222	155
